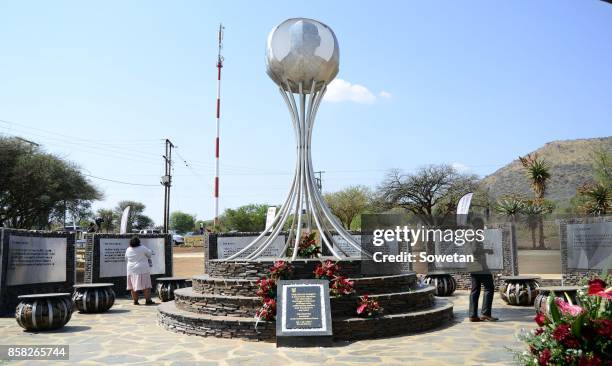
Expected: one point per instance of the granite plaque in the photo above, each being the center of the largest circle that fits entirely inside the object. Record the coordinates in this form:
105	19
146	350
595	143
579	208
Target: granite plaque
342	246
35	259
303	311
589	246
230	245
112	256
493	252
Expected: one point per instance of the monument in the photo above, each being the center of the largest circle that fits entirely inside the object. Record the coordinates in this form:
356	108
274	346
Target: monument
33	262
229	299
105	257
302	57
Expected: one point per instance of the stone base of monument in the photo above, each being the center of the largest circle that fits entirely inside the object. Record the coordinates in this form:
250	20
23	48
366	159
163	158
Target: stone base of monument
223	304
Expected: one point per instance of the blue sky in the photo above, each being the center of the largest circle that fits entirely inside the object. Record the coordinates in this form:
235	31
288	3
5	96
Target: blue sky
472	83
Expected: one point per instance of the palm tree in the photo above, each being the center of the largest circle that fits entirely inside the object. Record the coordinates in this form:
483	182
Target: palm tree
597	199
511	207
538	172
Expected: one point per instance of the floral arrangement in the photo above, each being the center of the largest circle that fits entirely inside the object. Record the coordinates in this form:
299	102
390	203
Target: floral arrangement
267	311
573	334
326	270
338	285
281	270
266	288
341	286
368	307
307	247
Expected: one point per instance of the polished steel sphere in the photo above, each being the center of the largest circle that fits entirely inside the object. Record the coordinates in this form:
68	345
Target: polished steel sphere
301	50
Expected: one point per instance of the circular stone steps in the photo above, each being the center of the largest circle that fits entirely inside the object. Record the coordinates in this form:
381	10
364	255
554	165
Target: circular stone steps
248	287
345	328
246	306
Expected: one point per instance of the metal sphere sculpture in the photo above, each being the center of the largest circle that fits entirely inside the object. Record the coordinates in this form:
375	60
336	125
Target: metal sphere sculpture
302	58
302	51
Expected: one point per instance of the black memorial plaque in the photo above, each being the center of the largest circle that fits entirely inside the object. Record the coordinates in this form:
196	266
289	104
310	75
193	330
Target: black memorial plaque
303	315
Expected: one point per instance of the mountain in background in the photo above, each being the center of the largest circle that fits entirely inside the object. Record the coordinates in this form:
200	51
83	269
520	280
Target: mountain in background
571	165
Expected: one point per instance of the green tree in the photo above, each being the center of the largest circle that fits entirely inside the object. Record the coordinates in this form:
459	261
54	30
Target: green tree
137	220
348	203
246	218
602	167
538	172
431	191
37	188
182	222
109	218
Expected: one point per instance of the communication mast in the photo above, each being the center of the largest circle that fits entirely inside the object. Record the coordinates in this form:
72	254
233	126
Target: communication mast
219	66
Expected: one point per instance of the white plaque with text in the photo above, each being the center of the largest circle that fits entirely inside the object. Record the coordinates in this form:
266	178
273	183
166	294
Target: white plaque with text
35	259
589	246
230	245
112	256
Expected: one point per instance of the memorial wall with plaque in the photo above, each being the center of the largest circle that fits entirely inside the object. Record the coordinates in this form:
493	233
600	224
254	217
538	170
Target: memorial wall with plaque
223	245
303	313
589	246
34	262
105	257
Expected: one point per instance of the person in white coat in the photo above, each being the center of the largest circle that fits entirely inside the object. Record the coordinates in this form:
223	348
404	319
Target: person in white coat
137	258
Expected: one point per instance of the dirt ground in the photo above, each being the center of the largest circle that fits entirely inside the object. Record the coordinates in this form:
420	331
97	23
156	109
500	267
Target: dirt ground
547	263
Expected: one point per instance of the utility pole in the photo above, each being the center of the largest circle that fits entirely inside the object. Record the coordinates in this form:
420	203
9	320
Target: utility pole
166	181
319	180
219	66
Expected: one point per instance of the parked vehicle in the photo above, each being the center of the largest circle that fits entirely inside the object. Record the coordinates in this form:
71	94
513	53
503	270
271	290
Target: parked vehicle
177	238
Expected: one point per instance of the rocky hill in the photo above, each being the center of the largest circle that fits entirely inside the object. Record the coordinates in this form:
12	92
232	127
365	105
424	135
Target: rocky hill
571	166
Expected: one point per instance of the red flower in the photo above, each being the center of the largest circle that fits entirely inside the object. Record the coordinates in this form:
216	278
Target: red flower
561	332
361	308
545	356
571	342
596	285
591	361
539	331
540	319
603	327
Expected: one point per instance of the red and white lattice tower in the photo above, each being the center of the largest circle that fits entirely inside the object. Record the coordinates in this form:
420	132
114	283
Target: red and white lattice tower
219	66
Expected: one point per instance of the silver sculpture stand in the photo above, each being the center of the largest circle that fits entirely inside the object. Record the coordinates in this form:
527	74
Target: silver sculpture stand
303	199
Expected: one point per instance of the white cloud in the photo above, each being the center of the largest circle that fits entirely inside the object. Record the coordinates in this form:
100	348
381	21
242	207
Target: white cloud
461	168
385	94
342	91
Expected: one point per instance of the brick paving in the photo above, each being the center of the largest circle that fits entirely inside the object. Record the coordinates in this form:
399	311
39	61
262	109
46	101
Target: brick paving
129	335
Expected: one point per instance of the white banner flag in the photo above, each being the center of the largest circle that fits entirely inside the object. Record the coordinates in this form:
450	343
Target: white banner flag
463	207
270	217
124	220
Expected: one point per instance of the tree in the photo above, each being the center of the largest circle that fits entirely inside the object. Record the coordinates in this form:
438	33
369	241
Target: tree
182	222
538	173
511	207
432	191
246	218
595	199
136	219
109	219
348	203
602	167
37	188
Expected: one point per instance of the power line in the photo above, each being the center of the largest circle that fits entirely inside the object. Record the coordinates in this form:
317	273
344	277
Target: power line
120	182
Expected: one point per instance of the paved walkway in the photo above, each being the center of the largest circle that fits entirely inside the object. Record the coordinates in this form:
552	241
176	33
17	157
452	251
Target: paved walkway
129	335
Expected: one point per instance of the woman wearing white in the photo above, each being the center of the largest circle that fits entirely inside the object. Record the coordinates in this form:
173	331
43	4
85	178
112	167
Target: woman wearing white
138	270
